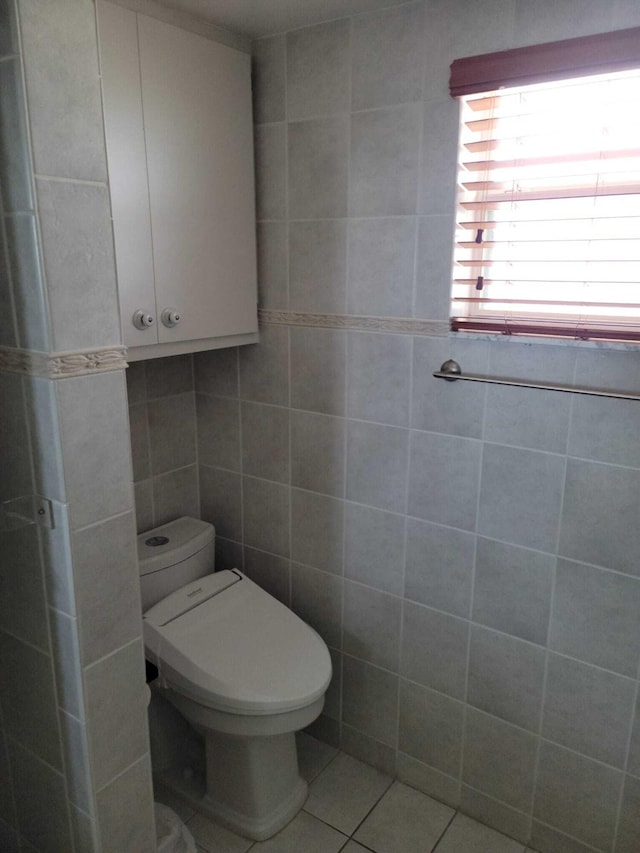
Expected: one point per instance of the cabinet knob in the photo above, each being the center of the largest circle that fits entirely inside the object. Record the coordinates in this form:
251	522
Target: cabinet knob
143	320
171	317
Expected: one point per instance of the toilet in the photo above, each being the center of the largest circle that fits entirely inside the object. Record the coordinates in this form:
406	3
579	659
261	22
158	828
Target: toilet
241	667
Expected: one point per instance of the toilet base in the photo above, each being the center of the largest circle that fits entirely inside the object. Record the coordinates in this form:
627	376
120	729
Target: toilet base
258	829
253	784
252	787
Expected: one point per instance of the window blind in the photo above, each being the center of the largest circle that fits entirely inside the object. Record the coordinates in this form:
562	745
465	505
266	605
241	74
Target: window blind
539	63
548	226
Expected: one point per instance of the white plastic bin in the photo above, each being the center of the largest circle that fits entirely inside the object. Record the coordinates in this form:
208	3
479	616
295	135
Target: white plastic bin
171	833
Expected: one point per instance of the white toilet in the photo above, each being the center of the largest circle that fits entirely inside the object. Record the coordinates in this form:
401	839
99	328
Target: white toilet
242	668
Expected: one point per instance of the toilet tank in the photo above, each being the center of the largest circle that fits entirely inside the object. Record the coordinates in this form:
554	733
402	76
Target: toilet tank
173	555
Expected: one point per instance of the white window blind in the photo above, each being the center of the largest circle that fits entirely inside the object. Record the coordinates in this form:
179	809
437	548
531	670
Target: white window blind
548	227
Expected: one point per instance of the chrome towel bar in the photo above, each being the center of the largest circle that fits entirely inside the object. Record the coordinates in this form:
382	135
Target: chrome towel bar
452	372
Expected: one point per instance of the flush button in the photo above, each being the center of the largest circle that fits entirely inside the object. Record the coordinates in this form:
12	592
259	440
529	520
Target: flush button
155	541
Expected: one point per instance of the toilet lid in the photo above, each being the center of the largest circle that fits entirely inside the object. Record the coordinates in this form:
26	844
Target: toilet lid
225	642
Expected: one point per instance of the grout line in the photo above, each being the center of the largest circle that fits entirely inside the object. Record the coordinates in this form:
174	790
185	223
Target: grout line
238	402
561	832
286	179
144	757
113	653
27	213
377	802
437	524
407	426
495	800
391	5
76	181
420	169
471	621
547	645
627	755
348	346
288	302
344	536
28	643
9	737
195	434
346	112
455	616
360	217
8	271
75	530
348	218
445	830
149	462
465	709
288	484
405	539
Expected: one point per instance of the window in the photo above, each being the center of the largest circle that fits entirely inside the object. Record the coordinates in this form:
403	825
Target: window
548	226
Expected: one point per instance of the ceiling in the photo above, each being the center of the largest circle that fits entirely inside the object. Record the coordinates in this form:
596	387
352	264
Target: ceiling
255	18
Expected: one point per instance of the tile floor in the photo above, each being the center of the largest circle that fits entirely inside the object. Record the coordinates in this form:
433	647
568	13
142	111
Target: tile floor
354	808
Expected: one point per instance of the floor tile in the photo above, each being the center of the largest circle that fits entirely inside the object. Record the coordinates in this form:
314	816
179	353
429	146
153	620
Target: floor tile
304	833
468	836
345	791
214	838
313	755
350	798
404	821
168	798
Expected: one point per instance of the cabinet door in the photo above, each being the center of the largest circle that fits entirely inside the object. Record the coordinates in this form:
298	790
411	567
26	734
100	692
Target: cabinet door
127	169
197	118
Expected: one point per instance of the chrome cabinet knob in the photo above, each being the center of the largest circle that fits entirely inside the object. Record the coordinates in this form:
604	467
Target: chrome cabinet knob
143	320
171	317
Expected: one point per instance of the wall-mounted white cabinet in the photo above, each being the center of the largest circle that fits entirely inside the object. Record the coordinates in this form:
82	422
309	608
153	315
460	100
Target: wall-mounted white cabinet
180	153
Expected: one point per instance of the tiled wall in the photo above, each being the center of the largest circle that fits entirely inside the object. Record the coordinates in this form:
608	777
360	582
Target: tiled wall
469	553
74	745
422	542
163	439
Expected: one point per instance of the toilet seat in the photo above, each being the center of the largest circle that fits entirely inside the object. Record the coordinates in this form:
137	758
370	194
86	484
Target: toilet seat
230	646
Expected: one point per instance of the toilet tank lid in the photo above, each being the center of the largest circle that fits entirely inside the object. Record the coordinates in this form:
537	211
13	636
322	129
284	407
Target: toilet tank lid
172	543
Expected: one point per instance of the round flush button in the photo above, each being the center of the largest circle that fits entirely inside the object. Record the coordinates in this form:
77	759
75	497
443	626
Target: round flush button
154	541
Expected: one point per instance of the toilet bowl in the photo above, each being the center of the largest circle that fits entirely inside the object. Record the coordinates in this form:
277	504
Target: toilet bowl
241	667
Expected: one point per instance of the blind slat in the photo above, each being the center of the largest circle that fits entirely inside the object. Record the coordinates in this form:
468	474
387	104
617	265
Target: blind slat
601	157
572	329
559	303
506	191
497	201
616	226
462	289
600	246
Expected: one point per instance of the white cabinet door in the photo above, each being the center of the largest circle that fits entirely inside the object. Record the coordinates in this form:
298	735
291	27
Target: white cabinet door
197	119
127	169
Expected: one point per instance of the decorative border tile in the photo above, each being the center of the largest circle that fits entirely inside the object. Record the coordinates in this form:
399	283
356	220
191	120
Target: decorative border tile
62	365
396	325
